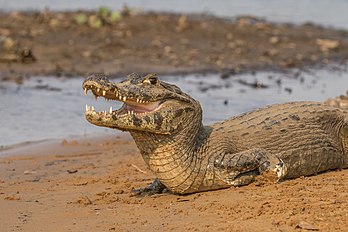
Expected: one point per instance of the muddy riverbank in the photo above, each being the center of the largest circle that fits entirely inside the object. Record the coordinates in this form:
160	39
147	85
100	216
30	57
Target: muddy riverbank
77	43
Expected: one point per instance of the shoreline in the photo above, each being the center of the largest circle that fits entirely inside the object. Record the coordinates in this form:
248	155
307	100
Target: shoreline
44	146
340	101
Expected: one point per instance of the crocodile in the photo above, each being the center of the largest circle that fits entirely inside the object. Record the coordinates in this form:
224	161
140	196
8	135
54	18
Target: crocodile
280	141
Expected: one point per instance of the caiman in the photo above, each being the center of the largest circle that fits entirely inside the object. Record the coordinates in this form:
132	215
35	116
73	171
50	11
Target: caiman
280	141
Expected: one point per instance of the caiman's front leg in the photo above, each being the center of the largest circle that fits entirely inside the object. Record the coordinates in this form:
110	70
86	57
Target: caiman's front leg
241	168
154	188
232	169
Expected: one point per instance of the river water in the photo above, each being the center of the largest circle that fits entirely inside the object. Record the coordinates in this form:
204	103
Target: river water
328	13
48	107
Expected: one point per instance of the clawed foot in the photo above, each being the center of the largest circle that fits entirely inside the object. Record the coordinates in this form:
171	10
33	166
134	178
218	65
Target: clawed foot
272	170
280	169
255	164
155	187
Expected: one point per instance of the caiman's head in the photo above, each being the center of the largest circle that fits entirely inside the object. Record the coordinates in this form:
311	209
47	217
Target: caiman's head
148	104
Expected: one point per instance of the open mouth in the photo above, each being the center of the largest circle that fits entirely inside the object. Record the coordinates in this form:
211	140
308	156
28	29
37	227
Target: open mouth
131	106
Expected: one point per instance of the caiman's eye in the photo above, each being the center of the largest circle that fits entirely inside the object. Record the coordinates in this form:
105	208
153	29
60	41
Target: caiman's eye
151	80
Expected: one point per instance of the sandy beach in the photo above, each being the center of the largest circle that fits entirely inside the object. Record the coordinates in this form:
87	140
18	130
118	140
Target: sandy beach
85	185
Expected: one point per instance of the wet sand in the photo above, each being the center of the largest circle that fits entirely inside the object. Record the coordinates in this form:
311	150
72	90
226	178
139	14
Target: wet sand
85	184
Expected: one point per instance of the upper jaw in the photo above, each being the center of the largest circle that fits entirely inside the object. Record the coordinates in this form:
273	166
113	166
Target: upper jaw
110	91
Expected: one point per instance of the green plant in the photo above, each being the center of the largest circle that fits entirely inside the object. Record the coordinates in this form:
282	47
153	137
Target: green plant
102	17
94	21
81	19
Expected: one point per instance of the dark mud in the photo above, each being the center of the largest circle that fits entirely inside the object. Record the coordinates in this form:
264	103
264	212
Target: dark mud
53	43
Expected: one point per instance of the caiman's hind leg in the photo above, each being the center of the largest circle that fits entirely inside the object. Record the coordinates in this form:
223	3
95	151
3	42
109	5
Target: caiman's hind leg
241	168
154	188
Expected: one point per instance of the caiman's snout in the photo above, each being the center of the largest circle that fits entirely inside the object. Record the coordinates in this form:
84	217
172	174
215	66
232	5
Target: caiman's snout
99	85
148	104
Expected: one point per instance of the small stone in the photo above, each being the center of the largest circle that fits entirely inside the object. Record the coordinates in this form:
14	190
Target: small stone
29	172
8	44
119	191
84	200
325	45
54	23
12	198
72	171
287	89
182	23
274	40
86	54
306	226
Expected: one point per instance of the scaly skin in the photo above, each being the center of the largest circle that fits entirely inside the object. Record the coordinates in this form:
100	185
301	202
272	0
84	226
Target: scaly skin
284	140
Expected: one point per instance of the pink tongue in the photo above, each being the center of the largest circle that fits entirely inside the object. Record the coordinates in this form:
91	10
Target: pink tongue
141	108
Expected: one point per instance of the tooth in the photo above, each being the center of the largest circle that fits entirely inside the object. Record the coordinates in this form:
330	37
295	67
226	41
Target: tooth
86	90
105	113
132	112
128	112
92	108
119	97
110	109
86	107
104	92
98	89
124	98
